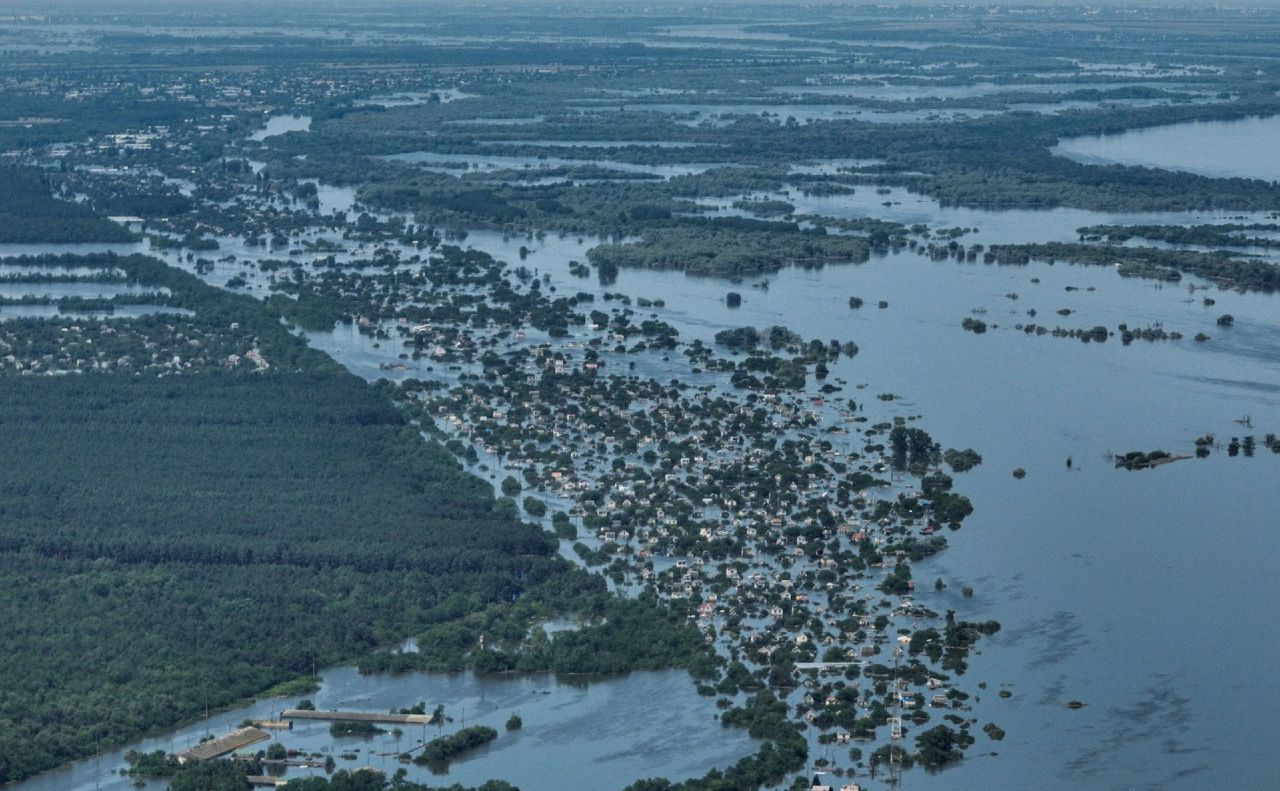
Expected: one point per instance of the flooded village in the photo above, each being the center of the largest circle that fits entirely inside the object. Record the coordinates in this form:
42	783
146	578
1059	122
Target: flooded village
769	380
736	482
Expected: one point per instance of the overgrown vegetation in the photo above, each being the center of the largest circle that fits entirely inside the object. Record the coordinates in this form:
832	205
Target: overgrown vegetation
157	527
30	213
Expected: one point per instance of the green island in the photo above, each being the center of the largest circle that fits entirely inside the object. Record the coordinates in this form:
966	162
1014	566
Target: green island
728	249
440	751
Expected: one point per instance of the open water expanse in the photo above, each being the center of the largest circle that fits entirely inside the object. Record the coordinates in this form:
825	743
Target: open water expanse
1125	590
1142	594
1244	149
281	124
635	723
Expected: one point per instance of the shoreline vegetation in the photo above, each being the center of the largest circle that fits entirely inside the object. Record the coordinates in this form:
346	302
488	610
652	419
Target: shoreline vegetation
30	213
251	431
729	247
1225	268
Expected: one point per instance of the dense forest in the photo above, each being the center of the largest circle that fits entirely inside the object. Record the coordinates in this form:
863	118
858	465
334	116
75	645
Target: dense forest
30	213
171	542
168	543
240	525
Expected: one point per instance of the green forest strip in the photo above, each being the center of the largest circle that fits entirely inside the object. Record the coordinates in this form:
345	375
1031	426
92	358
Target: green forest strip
168	543
1222	267
729	248
177	538
29	213
182	541
171	542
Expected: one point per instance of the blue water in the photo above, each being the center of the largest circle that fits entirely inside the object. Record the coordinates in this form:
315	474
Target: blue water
1223	149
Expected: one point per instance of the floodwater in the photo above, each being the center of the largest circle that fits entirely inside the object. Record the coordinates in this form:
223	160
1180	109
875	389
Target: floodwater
639	726
494	121
8	312
87	290
1134	592
910	91
452	163
18	249
333	198
802	113
1137	593
411	98
989	225
828	167
280	124
1115	588
1222	149
593	143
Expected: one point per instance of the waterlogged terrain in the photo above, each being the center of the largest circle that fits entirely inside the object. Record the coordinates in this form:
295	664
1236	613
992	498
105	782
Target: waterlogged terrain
1064	547
1054	553
467	162
1074	562
698	114
1054	307
629	734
